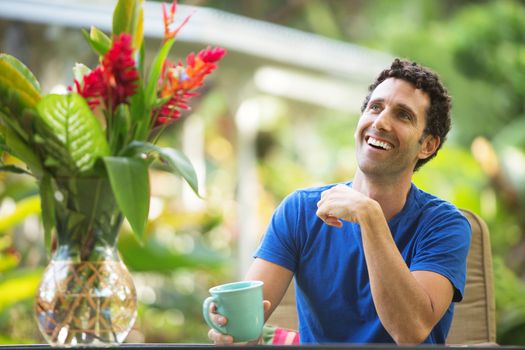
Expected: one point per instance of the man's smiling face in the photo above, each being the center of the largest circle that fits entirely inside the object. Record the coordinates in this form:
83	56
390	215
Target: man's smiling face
390	134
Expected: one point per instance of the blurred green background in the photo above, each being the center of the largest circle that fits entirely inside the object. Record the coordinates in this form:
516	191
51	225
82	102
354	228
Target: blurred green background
252	146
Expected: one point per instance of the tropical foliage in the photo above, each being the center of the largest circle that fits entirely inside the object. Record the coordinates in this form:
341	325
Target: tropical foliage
109	121
106	126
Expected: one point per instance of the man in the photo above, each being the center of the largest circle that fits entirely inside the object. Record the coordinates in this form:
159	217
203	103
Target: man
376	259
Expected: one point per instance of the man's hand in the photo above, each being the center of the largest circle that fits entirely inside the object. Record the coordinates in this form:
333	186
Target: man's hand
341	202
226	339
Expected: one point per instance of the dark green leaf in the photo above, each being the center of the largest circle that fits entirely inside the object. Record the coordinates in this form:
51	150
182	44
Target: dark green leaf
138	113
130	183
176	161
21	150
47	204
154	73
119	128
73	136
150	98
13	169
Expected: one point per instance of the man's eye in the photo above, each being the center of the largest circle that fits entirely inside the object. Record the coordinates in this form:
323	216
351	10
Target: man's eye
405	115
375	107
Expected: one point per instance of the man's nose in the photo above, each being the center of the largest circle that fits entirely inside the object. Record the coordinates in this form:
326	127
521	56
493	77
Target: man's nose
383	120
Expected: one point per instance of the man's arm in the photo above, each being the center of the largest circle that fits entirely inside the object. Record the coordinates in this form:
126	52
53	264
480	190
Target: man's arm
409	304
276	281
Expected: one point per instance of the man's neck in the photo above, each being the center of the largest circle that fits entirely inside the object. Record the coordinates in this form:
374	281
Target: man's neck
391	195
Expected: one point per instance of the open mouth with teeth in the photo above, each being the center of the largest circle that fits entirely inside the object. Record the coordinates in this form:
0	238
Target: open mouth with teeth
378	144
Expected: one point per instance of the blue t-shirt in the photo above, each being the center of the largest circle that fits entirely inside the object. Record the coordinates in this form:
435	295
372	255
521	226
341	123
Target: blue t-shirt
334	301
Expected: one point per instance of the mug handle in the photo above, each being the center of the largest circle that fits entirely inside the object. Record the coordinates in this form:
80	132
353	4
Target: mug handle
206	314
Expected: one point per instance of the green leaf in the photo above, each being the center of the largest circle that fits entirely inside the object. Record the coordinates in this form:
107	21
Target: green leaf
138	37
138	113
98	40
13	169
47	204
14	118
150	98
21	150
128	17
130	184
22	69
176	161
72	135
154	74
140	63
18	87
119	128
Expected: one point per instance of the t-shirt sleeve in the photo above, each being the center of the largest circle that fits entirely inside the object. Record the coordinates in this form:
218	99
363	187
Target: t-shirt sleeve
279	244
444	247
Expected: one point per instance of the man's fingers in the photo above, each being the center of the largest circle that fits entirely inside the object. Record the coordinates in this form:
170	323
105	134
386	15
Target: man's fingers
328	218
324	194
333	221
321	215
215	317
219	319
266	305
213	308
324	214
218	338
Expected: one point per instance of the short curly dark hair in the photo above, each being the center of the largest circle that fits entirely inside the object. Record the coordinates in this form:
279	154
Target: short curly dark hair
438	113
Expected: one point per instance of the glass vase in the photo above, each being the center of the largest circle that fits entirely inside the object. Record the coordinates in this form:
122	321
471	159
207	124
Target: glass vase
86	296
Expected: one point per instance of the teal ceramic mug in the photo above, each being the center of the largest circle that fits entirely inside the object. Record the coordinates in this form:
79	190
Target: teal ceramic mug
242	304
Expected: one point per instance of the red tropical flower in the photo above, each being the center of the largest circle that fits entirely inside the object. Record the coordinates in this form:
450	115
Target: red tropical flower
119	71
92	87
115	79
179	83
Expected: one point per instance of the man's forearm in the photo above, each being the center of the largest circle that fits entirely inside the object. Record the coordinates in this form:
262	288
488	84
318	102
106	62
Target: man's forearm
403	306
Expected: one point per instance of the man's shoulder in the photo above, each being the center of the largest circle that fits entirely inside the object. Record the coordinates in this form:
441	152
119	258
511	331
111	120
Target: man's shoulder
432	206
428	201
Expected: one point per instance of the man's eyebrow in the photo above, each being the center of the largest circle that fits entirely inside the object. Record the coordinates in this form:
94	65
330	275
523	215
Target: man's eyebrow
406	108
377	99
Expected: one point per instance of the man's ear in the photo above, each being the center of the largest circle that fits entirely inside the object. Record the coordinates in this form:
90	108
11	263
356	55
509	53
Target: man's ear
429	146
